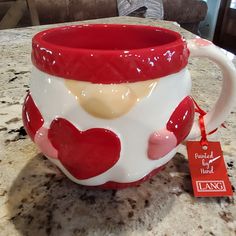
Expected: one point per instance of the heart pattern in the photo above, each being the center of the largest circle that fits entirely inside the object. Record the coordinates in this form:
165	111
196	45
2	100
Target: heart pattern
84	154
181	120
31	117
89	153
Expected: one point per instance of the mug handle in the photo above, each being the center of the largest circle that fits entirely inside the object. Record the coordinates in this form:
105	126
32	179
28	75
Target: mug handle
199	47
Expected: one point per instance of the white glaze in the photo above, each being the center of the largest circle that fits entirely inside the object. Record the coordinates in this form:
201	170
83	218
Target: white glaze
217	115
134	128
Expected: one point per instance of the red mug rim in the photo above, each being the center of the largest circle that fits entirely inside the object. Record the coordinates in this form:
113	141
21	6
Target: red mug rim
65	52
43	40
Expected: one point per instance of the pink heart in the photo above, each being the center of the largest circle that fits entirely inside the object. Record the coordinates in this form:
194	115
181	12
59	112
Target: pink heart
45	146
84	154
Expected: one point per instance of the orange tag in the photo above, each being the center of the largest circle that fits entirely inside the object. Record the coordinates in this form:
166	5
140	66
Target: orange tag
208	171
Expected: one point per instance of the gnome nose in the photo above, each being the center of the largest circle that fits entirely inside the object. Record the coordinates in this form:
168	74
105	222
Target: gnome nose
107	101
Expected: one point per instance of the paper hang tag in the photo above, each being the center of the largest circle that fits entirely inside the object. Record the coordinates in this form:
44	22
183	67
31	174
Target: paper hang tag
208	170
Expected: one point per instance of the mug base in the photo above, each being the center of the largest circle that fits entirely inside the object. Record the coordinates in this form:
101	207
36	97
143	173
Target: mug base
116	185
110	184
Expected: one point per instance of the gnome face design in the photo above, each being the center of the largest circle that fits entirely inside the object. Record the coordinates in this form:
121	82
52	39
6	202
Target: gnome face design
109	101
109	112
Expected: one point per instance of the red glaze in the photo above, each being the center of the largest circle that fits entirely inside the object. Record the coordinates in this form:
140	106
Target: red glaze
181	120
84	154
109	53
115	185
31	117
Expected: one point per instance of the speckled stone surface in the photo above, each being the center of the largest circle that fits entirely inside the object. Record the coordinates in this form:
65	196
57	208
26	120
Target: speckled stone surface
36	199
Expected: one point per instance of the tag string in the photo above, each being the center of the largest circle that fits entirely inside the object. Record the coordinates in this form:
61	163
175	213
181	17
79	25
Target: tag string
202	113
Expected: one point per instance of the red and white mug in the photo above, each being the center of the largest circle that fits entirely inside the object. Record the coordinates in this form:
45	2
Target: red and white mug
110	104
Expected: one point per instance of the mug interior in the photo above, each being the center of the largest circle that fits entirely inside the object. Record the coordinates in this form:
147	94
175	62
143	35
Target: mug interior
109	54
110	37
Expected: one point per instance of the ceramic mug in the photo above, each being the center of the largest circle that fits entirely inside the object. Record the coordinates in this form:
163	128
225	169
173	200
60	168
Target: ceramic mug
110	104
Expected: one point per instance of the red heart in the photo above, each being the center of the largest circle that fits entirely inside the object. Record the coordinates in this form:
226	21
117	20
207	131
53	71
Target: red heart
181	120
84	154
31	117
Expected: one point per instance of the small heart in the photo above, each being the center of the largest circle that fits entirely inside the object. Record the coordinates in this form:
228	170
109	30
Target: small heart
84	154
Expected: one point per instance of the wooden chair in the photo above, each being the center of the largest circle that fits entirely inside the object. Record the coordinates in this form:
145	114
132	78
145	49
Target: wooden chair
16	11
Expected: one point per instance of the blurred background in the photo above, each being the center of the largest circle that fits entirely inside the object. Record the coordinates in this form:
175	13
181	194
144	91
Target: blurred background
212	19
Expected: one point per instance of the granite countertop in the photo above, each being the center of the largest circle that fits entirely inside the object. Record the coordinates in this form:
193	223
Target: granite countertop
36	199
